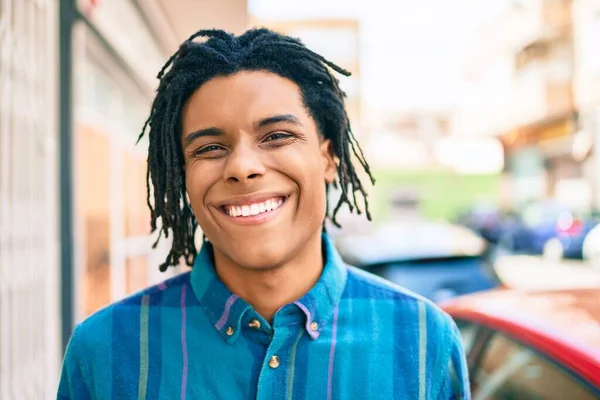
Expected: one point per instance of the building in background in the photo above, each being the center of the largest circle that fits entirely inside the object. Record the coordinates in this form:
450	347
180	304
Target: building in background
586	34
543	111
520	87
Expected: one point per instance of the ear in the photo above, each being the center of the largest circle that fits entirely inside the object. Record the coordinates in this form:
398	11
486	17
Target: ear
328	160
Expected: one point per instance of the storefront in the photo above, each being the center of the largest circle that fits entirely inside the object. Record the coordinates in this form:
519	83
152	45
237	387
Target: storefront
113	79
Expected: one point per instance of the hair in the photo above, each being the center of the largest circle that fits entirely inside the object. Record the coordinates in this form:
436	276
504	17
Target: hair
223	54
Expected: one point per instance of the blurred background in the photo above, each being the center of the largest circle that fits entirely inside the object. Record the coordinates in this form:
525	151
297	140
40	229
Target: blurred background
480	119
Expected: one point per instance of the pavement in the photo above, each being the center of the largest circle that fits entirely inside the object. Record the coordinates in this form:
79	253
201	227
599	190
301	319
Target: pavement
536	273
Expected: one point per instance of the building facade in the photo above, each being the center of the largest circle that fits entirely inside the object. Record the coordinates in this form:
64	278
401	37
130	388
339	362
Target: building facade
586	33
30	342
526	92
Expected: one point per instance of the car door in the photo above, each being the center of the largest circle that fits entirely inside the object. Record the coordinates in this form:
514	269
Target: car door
502	368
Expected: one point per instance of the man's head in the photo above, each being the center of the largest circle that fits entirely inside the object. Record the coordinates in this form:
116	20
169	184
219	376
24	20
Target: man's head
246	133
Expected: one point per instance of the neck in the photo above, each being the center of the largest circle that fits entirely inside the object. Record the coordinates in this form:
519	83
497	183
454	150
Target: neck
267	290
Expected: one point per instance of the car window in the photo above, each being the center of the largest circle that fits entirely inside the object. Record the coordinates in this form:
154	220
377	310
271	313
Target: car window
508	371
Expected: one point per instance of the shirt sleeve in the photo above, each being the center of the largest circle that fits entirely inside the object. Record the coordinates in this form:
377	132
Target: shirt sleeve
456	377
72	380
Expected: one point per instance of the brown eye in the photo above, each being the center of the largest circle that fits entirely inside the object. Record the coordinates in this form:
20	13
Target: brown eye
210	151
278	136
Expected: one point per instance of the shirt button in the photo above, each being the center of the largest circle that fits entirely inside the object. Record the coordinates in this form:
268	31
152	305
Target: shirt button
254	324
314	326
274	362
229	331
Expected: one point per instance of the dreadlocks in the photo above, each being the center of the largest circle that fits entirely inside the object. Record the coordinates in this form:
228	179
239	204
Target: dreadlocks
194	64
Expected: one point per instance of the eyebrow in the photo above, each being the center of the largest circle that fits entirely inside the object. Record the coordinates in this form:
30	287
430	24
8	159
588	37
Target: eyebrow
276	119
215	132
203	133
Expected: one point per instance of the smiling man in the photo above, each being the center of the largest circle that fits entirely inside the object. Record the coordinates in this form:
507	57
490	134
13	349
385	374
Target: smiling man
246	135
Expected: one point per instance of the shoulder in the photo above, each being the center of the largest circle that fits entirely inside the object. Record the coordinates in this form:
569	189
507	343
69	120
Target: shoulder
122	318
420	322
408	305
110	338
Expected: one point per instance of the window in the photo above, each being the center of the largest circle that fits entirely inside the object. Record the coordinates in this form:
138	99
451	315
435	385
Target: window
508	371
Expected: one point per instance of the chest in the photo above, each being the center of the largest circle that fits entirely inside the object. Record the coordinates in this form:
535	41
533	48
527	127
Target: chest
357	363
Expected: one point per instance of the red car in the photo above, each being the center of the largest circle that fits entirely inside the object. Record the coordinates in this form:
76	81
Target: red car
531	345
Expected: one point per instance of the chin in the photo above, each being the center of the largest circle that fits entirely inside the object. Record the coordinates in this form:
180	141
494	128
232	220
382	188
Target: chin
265	255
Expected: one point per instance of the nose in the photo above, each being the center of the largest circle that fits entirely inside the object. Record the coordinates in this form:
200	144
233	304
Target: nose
243	164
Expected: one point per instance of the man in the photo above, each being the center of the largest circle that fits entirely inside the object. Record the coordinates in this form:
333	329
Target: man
246	135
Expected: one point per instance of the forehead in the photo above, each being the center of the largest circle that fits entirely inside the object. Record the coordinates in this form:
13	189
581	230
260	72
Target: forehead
243	97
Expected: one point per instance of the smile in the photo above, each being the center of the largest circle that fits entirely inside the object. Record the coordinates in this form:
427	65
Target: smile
253	209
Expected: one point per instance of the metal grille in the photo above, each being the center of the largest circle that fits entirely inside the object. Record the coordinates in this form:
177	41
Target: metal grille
29	275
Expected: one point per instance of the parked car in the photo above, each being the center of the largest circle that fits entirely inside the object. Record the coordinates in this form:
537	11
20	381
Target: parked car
591	248
436	260
531	345
549	229
487	221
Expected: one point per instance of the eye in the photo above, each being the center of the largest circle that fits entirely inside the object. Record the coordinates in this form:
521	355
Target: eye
210	151
278	136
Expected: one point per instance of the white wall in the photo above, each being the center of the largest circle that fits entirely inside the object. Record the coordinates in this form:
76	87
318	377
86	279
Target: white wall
30	323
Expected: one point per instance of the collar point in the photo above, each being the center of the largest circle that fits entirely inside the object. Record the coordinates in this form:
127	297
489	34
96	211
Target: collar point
313	335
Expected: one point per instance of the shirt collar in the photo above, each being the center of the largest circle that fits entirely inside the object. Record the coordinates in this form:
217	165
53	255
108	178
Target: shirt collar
225	309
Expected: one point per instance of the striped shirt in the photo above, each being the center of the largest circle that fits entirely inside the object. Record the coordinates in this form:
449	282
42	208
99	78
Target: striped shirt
352	336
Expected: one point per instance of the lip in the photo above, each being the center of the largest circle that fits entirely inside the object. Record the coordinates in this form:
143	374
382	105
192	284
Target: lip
251	199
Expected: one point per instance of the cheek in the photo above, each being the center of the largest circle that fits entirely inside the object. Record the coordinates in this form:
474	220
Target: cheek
311	180
196	185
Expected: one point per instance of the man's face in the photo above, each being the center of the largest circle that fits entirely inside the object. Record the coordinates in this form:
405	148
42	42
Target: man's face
255	167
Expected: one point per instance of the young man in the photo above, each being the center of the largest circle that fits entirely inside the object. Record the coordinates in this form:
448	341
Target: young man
246	134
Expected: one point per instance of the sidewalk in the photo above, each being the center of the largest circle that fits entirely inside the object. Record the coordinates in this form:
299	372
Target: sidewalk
535	273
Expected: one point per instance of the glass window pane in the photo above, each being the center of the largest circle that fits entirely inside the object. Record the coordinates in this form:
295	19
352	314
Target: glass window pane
93	208
137	215
510	371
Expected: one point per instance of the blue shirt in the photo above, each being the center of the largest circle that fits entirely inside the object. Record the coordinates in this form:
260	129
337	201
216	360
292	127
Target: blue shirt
352	336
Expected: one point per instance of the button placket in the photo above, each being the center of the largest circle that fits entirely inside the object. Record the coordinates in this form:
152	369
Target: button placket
276	357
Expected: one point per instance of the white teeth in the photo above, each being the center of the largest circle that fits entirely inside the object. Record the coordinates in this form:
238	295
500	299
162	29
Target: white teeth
254	209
